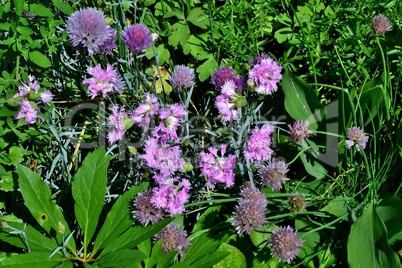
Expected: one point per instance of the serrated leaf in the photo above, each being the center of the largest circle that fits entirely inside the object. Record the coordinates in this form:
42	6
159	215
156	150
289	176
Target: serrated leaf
199	18
89	190
39	59
63	7
134	236
118	219
234	259
40	10
179	33
207	68
31	260
193	46
367	243
121	258
45	212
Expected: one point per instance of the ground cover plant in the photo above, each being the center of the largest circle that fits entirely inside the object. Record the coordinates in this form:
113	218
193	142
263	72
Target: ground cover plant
200	134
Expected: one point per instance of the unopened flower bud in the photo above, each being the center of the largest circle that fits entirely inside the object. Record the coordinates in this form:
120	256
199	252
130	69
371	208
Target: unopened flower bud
154	36
188	167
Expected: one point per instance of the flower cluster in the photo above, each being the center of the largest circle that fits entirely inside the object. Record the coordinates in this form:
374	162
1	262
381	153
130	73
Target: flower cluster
173	239
264	75
380	24
119	122
137	38
229	101
149	107
297	202
29	92
217	169
285	244
87	29
169	122
221	76
299	130
182	77
249	213
356	137
273	174
103	81
145	211
258	146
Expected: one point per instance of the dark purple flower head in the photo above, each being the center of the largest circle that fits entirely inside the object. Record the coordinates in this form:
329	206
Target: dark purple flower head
87	29
145	211
285	244
299	130
273	174
356	137
173	239
380	24
182	77
297	202
248	216
221	76
259	59
137	38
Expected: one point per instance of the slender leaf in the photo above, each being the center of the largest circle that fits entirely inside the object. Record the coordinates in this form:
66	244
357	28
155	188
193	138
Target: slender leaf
32	260
89	190
45	212
118	219
367	243
121	258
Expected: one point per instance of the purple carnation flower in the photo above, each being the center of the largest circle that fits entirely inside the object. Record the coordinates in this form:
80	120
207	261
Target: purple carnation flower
265	76
27	112
46	96
356	137
299	130
218	169
258	146
182	77
142	114
173	239
380	24
103	81
273	174
229	100
172	195
259	59
137	37
27	87
221	76
145	211
285	244
118	122
170	122
86	28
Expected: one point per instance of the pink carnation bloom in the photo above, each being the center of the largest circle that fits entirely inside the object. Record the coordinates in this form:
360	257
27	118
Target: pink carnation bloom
356	137
170	117
142	114
103	81
171	196
258	147
46	96
116	122
299	130
27	112
218	169
265	76
226	101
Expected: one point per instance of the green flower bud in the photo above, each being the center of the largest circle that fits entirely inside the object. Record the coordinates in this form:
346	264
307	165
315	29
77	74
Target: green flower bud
33	96
240	102
128	123
188	167
132	150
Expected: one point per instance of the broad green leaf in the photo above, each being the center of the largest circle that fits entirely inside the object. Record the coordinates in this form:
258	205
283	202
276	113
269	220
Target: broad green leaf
368	245
338	206
181	265
89	190
390	212
260	237
45	212
63	7
372	99
194	46
207	219
179	33
32	260
234	259
134	236
16	155
19	6
207	68
199	18
36	240
199	249
66	264
121	258
39	59
300	101
211	259
283	34
40	10
313	167
166	259
118	219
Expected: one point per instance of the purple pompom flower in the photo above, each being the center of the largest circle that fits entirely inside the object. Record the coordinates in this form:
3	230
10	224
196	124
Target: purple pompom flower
218	169
182	77
137	38
173	239
221	76
299	130
380	24
142	114
265	76
103	81
356	137
297	202
258	146
27	112
86	28
145	211
285	244
273	174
